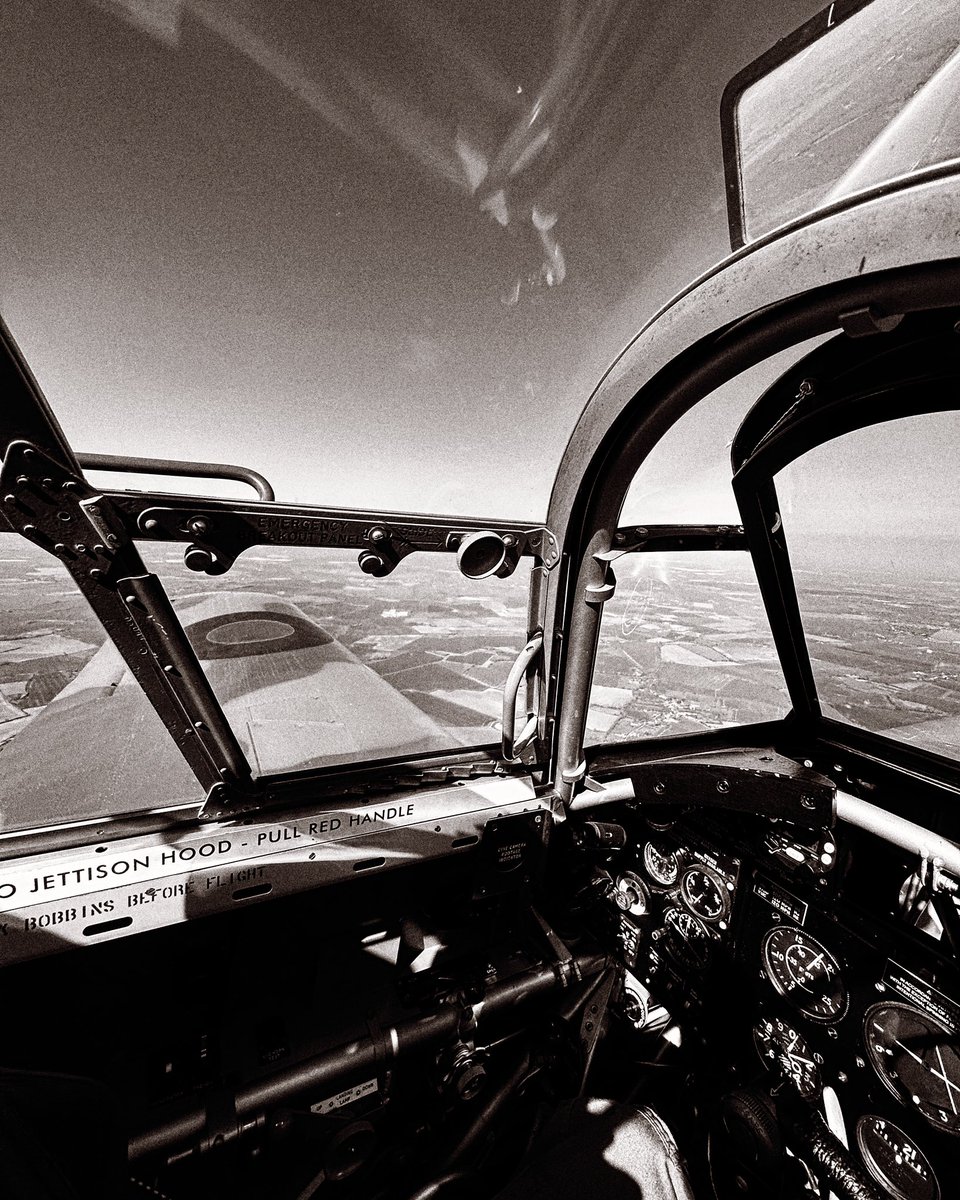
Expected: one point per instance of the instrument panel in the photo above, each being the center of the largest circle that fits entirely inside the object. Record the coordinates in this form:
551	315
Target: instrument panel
800	976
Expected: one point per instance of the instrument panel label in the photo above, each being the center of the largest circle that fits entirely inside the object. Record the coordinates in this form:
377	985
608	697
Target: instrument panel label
341	1099
924	995
781	901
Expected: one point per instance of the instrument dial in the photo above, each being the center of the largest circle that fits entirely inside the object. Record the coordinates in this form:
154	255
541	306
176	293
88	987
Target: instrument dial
705	894
918	1059
662	865
804	973
688	937
895	1161
786	1053
632	895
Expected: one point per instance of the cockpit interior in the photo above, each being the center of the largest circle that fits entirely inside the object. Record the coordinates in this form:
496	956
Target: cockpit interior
357	853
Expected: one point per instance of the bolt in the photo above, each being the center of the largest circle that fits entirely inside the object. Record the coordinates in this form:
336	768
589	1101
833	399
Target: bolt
808	802
95	573
98	548
198	526
29	455
150	523
841	1077
63	516
9	498
509	539
93	509
80	548
28	529
168	668
130	599
48	483
59	548
723	786
659	788
378	534
619	537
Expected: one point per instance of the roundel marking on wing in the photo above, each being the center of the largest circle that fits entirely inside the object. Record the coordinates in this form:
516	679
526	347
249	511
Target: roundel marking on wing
242	633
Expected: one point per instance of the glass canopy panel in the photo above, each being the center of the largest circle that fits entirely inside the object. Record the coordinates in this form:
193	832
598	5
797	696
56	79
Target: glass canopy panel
380	252
78	738
686	476
684	647
877	96
317	664
871	523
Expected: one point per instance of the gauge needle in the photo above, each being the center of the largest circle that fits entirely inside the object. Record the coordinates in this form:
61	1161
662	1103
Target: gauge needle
951	1087
946	1080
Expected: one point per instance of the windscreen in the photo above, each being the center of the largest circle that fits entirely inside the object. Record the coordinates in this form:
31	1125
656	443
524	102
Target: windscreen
873	96
870	521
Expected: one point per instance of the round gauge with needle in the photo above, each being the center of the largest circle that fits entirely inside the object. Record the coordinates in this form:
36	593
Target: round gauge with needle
662	864
688	941
705	894
805	973
918	1059
785	1052
895	1160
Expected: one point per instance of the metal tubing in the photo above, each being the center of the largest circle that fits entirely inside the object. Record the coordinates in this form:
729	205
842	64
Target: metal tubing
367	1053
510	746
132	464
898	831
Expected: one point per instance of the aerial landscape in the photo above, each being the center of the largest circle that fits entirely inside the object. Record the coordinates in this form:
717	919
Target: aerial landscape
684	645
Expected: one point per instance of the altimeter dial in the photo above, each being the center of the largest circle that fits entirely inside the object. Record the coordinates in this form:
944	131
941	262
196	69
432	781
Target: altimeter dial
804	973
918	1059
786	1053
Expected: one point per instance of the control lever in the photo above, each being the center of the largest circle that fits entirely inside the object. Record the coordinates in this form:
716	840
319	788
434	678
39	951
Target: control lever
831	1160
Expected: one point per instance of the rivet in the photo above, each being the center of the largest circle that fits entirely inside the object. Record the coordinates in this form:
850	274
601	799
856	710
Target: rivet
29	529
80	548
98	548
151	523
59	548
9	498
93	509
29	454
168	668
130	599
23	479
63	516
48	483
723	786
378	534
70	485
95	573
659	788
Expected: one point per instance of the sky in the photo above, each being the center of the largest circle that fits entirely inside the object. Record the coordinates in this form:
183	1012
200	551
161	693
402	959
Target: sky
380	252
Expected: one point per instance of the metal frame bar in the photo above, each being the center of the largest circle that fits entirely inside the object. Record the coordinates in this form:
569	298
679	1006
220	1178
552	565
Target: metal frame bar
692	375
126	463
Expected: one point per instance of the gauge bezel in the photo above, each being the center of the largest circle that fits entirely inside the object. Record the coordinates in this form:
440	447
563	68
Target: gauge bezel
771	974
902	1094
721	886
877	1171
658	847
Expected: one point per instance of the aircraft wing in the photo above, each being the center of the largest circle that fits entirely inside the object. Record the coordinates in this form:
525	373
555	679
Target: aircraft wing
295	697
